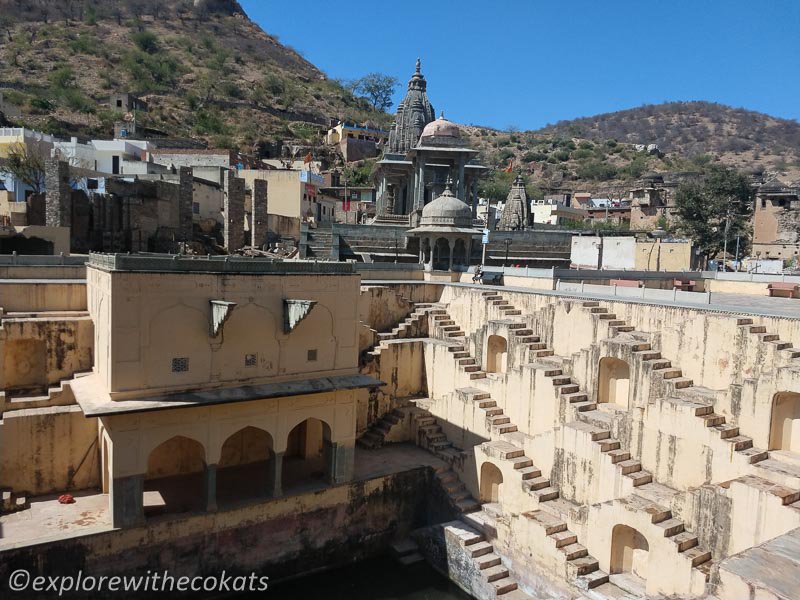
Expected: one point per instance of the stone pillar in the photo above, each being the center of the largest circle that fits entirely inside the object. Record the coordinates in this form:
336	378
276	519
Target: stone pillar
211	487
127	501
58	195
185	200
419	188
474	200
461	186
274	475
234	212
450	244
258	219
340	461
390	200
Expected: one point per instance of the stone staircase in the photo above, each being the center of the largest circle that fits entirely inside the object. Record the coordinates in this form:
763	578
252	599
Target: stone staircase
488	563
431	437
531	478
601	314
13	501
784	348
700	402
611	448
567	388
444	328
505	447
375	436
320	242
414	325
682	389
532	345
672	528
494	417
51	398
582	570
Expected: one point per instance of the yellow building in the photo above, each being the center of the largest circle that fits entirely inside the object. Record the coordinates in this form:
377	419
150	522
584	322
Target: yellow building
217	380
291	192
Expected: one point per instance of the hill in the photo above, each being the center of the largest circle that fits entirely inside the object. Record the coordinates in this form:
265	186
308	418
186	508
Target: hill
204	68
600	152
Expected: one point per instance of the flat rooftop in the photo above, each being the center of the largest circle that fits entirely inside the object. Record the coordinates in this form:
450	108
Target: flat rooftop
178	263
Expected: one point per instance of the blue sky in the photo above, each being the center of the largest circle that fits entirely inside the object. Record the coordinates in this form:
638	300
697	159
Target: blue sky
527	63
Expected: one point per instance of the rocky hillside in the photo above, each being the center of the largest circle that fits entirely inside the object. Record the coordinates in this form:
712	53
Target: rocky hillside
601	152
204	68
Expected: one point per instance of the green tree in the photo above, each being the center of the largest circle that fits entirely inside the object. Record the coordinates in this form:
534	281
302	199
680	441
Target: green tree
496	186
377	88
146	41
716	209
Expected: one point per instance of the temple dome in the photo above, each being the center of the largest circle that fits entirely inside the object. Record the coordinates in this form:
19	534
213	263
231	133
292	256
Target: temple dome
447	211
441	128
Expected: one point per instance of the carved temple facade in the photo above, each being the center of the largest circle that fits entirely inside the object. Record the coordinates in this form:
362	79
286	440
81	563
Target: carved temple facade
420	156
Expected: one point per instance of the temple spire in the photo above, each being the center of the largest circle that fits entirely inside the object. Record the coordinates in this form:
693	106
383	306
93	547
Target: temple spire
413	113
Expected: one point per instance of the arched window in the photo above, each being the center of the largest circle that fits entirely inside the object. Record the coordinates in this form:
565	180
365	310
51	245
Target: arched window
496	354
491	482
629	551
784	431
614	381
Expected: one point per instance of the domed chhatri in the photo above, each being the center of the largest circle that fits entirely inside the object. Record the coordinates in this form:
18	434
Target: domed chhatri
447	210
445	233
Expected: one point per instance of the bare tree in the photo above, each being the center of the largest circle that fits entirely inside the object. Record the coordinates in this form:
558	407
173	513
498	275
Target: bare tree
25	162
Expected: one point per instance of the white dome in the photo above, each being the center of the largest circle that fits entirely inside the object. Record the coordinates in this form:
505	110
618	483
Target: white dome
447	210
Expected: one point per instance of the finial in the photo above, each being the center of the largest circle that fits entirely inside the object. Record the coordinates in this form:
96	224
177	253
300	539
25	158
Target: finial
441	114
419	65
447	184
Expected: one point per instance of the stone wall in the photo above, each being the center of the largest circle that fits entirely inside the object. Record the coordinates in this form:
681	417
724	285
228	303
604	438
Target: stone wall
58	203
185	199
259	226
48	450
233	208
282	538
37	352
17	296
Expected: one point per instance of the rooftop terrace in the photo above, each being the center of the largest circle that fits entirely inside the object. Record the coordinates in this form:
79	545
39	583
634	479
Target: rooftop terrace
177	263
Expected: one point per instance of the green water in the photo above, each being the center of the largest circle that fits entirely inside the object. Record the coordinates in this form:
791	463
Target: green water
376	579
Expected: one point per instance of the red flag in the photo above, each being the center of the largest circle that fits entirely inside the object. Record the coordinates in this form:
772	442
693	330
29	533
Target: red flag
346	204
510	167
308	158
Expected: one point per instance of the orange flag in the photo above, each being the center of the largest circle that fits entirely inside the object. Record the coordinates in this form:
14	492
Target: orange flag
510	167
308	158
